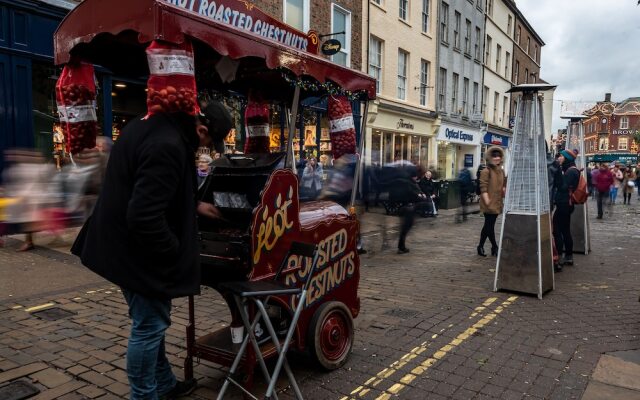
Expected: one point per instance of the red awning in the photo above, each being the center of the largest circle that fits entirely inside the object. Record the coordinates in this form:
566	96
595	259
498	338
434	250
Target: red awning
108	32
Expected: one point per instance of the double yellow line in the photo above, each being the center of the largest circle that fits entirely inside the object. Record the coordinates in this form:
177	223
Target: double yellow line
396	366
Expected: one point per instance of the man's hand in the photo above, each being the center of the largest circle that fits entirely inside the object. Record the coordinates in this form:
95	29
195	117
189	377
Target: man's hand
209	210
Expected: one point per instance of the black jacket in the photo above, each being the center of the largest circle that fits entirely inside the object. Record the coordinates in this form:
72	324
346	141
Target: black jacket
570	178
428	186
142	234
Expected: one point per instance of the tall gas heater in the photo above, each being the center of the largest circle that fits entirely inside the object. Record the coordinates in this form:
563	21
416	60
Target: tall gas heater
579	219
525	259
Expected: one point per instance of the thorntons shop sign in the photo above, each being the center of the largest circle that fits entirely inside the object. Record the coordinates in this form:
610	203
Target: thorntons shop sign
455	134
244	15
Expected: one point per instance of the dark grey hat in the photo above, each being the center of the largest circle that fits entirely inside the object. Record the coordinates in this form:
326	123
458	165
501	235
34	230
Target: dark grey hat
218	121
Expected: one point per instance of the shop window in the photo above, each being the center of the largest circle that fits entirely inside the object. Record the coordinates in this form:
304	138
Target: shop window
388	147
415	150
128	101
341	22
376	148
624	122
44	108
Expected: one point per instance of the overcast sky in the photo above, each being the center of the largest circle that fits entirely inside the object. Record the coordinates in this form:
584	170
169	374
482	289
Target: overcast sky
592	47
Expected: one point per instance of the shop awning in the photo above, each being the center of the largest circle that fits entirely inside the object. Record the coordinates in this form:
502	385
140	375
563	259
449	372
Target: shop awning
624	158
113	33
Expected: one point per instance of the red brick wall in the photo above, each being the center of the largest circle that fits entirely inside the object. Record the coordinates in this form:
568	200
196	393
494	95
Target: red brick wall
321	20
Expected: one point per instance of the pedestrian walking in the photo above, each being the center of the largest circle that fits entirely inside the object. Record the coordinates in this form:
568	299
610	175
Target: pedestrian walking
466	189
594	175
554	173
617	183
564	207
492	185
142	236
603	181
405	190
628	185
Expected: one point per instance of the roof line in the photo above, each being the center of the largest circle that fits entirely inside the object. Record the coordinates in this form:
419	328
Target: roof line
512	5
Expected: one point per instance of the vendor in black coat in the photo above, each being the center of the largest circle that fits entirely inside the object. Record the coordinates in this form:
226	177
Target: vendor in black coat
142	236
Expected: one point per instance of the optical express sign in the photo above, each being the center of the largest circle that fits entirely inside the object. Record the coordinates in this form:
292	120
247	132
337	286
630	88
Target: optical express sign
459	135
244	15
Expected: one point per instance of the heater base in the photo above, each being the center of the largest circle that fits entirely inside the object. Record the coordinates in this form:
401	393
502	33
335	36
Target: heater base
580	232
521	268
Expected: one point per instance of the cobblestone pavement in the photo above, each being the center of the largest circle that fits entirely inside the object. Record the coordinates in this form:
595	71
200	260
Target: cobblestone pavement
430	326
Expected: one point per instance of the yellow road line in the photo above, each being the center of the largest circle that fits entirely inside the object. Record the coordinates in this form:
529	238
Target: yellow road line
397	365
40	307
442	352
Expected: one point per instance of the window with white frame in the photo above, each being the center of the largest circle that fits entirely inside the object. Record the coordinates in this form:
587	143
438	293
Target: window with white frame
603	144
297	14
475	97
496	99
485	98
444	22
623	143
456	30
403	9
535	52
378	2
528	44
490	8
425	15
454	93
476	49
467	37
518	34
442	89
465	96
403	65
498	58
375	61
507	62
505	106
516	73
341	22
624	122
526	75
424	82
509	23
487	54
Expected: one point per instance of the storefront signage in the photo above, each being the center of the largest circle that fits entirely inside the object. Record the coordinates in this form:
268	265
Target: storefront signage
495	139
456	134
244	15
331	47
402	124
468	160
624	131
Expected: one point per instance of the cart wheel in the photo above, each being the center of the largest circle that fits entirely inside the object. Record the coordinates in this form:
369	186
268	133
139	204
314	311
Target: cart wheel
330	336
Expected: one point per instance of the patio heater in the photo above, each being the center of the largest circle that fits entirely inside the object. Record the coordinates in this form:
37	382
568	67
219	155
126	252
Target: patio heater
525	260
579	219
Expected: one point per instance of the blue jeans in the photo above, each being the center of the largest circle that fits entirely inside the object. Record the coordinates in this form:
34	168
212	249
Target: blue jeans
613	193
148	368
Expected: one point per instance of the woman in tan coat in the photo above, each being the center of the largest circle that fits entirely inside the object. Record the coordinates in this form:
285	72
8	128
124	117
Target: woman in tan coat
627	188
492	183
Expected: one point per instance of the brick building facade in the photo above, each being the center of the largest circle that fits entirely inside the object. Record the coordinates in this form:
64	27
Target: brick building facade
317	15
610	131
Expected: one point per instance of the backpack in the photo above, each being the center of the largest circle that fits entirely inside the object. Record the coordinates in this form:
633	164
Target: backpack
581	193
480	168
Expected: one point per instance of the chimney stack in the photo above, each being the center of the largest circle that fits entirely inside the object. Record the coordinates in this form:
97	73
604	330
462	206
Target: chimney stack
607	97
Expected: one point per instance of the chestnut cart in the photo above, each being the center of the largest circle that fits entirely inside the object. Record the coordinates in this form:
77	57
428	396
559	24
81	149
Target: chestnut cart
305	251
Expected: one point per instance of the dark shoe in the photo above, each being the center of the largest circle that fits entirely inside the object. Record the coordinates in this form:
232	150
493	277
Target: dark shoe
180	389
557	268
599	217
481	251
494	251
567	260
362	251
403	250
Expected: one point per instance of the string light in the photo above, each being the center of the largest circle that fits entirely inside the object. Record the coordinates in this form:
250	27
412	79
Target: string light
327	87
